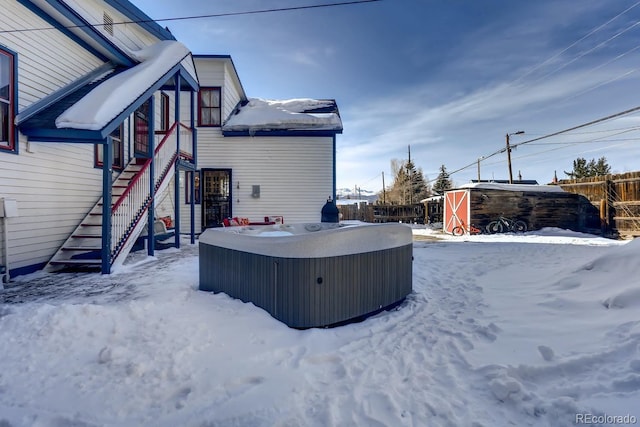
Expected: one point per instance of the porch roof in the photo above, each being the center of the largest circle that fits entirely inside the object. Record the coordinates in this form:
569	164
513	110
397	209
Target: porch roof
90	109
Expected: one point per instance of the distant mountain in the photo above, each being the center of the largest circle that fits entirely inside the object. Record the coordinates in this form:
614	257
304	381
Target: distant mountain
352	194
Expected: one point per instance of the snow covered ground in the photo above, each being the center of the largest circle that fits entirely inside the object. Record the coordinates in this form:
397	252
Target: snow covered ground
538	329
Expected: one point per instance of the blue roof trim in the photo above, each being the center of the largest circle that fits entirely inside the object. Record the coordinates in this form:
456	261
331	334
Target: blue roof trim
233	65
91	31
41	126
56	96
280	132
64	135
142	19
188	78
35	9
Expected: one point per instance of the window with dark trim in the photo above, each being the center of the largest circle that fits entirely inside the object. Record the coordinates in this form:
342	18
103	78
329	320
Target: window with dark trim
141	129
196	187
118	149
7	100
209	111
164	113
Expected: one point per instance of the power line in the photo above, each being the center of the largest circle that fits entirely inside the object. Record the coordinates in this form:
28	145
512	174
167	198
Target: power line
513	146
214	15
589	34
593	122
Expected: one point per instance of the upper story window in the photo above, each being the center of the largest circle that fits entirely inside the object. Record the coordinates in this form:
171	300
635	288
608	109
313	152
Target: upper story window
141	130
7	100
164	112
209	111
117	144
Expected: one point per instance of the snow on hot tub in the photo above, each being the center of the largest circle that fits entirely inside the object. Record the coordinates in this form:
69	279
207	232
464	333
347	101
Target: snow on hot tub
313	274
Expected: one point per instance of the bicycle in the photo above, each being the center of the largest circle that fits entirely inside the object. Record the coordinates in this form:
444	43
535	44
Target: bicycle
459	230
503	224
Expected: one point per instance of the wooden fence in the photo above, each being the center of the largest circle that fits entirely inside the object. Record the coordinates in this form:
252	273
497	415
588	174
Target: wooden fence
617	197
413	214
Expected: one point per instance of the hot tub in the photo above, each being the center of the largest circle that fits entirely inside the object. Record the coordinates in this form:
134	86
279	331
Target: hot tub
310	275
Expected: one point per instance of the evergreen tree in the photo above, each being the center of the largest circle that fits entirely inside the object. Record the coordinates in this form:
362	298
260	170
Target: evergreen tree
601	167
443	182
583	169
408	186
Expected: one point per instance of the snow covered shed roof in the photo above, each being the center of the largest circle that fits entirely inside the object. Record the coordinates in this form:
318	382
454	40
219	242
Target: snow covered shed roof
513	187
91	108
286	117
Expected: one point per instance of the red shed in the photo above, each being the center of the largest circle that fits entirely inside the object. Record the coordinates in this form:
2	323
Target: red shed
457	207
539	206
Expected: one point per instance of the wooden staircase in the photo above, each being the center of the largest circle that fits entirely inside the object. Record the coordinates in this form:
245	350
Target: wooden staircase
130	201
83	248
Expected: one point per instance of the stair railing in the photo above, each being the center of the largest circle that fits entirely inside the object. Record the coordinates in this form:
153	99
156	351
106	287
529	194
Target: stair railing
130	207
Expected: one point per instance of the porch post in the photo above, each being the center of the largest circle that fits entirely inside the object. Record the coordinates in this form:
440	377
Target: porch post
194	149
107	162
333	188
151	239
176	176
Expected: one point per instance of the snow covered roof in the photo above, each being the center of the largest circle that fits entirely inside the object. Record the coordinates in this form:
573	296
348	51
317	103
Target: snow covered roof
287	115
83	23
514	187
105	102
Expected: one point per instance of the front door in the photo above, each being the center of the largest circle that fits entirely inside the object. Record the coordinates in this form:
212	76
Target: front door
216	197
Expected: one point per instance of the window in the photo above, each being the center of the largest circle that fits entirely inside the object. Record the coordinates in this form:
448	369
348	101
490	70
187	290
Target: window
209	107
7	100
164	113
141	130
118	150
196	187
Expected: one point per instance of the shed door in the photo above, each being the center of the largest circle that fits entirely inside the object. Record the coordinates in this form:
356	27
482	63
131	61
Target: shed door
456	209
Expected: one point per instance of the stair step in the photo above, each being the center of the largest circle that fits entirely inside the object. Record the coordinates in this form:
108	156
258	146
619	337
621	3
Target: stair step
95	262
81	248
87	236
91	225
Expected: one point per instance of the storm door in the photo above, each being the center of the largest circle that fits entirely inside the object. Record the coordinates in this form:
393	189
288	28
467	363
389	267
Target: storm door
216	197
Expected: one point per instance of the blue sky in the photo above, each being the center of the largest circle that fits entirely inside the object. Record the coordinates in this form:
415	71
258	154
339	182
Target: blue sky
450	78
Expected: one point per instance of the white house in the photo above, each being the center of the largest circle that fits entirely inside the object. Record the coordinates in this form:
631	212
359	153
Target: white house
79	89
259	158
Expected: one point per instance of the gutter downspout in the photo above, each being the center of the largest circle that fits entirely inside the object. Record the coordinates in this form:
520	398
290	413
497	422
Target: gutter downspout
333	192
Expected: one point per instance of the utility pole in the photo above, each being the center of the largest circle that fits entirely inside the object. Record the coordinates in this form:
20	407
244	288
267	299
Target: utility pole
410	174
509	160
520	132
384	191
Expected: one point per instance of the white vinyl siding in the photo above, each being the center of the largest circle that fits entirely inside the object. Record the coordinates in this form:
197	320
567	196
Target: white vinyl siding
132	37
54	186
295	175
217	72
47	60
